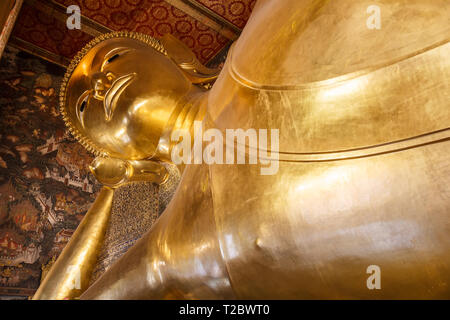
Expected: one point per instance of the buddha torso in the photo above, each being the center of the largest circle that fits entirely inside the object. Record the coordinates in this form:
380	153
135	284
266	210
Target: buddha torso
364	171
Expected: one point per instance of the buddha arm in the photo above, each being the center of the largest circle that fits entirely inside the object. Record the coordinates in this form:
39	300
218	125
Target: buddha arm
70	275
178	258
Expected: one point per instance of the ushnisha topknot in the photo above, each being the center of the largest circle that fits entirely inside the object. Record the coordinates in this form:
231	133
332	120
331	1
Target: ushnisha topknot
83	140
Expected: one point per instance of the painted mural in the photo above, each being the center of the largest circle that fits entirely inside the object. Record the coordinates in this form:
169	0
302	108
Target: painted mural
45	187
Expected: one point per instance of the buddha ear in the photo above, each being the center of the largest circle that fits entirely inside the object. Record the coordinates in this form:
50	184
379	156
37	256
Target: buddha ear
187	61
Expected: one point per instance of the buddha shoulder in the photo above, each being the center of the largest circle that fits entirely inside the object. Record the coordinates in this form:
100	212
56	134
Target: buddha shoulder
350	87
297	42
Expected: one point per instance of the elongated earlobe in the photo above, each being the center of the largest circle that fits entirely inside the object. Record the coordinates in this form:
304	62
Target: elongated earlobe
187	61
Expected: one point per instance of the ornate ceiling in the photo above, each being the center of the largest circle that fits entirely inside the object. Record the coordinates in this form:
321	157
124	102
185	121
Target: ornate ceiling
236	12
206	26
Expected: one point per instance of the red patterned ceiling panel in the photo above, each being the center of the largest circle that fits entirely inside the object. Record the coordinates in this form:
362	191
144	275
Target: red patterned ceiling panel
235	11
155	18
48	33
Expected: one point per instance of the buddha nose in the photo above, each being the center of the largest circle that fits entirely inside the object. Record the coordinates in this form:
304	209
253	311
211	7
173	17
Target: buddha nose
100	84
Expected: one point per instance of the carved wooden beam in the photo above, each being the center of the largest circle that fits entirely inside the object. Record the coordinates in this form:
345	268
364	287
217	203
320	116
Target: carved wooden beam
11	11
38	51
219	57
207	17
59	12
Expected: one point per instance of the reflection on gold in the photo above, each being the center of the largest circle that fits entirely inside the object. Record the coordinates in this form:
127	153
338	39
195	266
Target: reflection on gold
343	89
364	174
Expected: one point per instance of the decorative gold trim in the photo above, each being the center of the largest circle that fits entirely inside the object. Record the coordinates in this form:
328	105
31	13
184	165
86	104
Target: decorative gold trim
83	140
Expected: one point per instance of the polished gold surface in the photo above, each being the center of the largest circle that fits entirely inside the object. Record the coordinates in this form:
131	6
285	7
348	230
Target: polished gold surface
364	169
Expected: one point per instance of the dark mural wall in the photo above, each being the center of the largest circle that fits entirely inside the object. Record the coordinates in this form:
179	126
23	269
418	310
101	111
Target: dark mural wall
45	186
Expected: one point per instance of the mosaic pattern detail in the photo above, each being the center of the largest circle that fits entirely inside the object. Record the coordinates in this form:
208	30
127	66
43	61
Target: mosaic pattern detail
235	11
154	18
134	210
45	187
168	188
136	206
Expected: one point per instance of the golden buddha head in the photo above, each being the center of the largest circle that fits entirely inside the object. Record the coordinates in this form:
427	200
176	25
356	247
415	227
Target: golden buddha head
119	92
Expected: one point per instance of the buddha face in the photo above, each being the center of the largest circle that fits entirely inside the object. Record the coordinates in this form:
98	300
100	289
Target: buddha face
121	96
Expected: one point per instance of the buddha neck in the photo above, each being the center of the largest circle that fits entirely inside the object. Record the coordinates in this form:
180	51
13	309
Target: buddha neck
190	108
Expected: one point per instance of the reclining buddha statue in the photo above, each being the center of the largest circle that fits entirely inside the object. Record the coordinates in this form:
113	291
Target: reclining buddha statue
363	172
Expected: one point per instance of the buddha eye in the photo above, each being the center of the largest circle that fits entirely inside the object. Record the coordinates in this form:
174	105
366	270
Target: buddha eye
83	104
114	57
